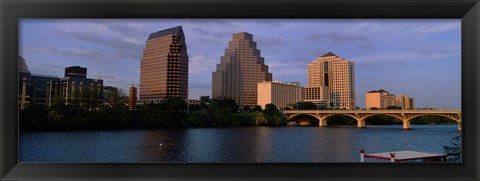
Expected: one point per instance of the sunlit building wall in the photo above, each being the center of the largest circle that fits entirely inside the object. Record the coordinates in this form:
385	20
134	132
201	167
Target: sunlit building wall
319	95
338	75
279	93
164	66
383	99
239	71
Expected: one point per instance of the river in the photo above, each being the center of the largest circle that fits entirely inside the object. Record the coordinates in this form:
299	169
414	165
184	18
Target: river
244	144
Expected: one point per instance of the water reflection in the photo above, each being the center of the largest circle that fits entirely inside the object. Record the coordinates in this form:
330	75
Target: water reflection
249	144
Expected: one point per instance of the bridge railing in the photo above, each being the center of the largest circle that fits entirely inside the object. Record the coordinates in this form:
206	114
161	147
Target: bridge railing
377	110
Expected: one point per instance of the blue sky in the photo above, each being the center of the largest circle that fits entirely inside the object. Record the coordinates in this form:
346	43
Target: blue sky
418	58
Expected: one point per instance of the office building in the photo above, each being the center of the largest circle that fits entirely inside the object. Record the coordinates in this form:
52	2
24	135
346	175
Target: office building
75	89
338	75
76	71
319	95
239	71
382	99
405	102
34	88
279	93
164	66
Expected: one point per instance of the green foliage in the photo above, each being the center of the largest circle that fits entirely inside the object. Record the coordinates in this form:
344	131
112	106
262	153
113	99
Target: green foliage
303	106
171	112
257	108
117	98
270	110
394	107
454	149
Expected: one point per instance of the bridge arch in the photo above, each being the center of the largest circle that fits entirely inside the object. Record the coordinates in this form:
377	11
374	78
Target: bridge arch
295	115
386	114
349	115
406	124
320	123
431	114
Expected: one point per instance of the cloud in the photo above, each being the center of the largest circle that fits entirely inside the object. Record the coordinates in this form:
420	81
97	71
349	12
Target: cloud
199	63
405	56
122	49
211	31
200	86
71	52
337	37
207	41
297	71
272	41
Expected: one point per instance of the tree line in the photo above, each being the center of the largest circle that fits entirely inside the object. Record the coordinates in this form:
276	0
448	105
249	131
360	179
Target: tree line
171	112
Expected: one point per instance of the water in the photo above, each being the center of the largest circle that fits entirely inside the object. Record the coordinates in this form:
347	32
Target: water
249	144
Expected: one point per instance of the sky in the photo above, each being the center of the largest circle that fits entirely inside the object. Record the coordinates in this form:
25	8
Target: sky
420	58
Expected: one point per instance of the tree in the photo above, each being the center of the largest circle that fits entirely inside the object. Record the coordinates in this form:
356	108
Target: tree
223	105
257	108
455	149
270	110
303	105
117	98
204	101
394	107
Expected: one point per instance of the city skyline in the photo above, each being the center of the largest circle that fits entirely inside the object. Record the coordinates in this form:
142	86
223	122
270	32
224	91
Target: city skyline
419	58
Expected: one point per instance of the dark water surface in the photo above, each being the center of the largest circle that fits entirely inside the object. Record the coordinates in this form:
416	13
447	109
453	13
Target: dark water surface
250	144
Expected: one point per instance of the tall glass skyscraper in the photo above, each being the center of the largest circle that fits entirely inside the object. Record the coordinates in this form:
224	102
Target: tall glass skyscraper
239	71
164	66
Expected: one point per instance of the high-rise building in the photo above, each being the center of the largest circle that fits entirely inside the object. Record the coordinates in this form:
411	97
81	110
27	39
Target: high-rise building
76	71
338	75
279	93
382	99
164	66
239	71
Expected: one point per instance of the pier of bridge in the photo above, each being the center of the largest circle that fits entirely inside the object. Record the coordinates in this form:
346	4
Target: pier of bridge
405	115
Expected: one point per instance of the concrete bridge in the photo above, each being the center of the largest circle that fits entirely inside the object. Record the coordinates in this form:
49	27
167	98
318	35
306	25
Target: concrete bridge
405	115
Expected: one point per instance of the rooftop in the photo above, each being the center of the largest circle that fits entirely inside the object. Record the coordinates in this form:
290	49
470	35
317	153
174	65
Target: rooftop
379	90
169	31
329	54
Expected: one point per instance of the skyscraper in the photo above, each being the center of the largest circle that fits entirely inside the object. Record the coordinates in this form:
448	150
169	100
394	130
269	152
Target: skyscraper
239	71
164	66
336	73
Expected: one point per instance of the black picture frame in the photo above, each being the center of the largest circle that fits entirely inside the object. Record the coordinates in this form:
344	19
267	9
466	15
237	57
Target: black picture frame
11	11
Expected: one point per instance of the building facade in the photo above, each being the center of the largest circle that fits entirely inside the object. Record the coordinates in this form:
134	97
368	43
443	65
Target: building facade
320	95
382	99
164	66
76	71
279	93
239	71
338	75
406	102
75	88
